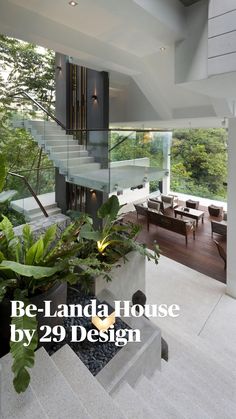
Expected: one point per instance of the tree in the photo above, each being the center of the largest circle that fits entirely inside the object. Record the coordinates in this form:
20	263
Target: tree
27	67
30	68
199	162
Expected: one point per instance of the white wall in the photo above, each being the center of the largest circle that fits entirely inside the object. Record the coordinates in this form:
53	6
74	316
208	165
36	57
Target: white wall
129	104
222	36
191	54
231	229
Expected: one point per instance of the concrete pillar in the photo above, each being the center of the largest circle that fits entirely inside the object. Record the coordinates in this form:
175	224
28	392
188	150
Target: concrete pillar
166	163
231	229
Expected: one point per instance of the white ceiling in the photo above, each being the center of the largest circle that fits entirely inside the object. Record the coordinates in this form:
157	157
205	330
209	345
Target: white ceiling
123	37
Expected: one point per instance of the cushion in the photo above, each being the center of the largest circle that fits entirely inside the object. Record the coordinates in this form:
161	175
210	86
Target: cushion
154	205
167	199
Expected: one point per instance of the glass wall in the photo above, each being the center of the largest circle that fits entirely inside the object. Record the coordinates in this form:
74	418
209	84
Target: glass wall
199	163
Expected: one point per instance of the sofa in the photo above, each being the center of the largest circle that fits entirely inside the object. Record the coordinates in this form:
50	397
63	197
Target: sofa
185	228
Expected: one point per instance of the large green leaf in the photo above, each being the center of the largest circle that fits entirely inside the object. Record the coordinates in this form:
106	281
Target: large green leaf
27	237
36	272
3	172
49	237
110	208
35	253
7	228
11	245
88	233
23	356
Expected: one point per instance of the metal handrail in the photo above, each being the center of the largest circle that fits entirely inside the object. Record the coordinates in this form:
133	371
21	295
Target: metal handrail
22	92
31	191
80	129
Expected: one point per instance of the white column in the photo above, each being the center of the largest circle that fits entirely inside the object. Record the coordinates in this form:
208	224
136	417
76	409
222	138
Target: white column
231	223
166	179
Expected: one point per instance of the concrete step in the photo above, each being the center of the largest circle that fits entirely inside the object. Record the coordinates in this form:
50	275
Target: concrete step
53	391
39	214
153	397
83	168
197	394
13	405
89	391
223	359
131	403
200	376
181	400
75	161
65	148
61	142
199	355
68	155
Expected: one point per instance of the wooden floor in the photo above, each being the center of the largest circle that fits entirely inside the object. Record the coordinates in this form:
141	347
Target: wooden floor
200	254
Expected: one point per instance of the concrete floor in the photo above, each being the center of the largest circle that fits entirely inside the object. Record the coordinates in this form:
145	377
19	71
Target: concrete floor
205	309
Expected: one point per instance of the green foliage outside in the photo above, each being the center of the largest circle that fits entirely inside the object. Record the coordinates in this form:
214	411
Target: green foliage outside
199	162
25	67
141	144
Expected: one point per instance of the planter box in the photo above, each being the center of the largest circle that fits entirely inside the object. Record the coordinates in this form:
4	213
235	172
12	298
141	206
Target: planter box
135	359
129	277
57	294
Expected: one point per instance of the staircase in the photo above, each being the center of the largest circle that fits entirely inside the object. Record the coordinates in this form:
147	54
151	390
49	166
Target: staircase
31	210
198	382
79	167
72	159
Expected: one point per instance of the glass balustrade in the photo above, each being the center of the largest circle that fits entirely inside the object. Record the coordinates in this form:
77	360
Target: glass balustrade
112	161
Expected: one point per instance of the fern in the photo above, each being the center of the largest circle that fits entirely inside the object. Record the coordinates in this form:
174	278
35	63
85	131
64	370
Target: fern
23	356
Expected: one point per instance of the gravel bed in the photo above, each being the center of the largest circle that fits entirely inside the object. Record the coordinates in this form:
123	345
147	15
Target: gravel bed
94	355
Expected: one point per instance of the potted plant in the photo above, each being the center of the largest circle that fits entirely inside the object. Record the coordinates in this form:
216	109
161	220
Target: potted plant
114	245
32	271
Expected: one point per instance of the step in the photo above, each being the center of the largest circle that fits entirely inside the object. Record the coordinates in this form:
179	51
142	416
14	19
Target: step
89	391
224	360
194	347
13	405
180	399
156	400
131	404
68	155
201	376
39	214
47	138
36	208
83	168
65	148
53	391
75	161
183	381
61	143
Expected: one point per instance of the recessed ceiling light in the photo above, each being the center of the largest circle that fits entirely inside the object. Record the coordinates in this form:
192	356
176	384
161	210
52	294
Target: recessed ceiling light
163	49
73	3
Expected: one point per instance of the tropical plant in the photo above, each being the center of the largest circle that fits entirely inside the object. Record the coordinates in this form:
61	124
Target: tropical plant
114	239
29	267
